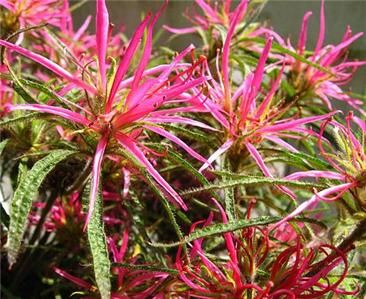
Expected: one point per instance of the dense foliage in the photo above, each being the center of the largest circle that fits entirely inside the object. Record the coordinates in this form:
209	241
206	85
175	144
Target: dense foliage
221	171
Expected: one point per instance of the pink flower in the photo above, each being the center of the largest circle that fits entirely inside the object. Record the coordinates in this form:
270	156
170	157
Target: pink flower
295	271
336	69
214	13
247	115
119	109
349	167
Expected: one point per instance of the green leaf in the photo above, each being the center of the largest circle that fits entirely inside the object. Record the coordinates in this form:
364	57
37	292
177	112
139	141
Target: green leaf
242	180
43	88
220	228
98	245
20	119
22	200
3	145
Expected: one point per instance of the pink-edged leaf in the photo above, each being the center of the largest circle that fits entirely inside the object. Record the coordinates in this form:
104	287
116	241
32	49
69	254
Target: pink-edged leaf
96	173
62	112
126	61
102	27
177	141
130	145
49	65
222	149
262	166
292	124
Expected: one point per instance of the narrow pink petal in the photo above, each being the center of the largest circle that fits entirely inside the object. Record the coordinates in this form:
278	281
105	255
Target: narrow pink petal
186	30
126	61
177	141
80	282
262	166
222	149
303	33
177	120
226	48
320	40
291	124
48	64
144	60
361	123
132	147
333	54
96	173
315	174
313	201
207	9
102	27
267	100
255	83
82	29
62	112
281	142
126	182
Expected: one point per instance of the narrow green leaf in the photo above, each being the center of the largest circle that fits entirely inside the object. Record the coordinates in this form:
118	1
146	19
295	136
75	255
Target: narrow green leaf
23	196
220	228
242	180
20	119
98	245
3	145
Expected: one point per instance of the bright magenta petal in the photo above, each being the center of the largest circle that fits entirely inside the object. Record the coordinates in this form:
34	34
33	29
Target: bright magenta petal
126	61
177	141
49	65
132	147
102	22
62	112
96	173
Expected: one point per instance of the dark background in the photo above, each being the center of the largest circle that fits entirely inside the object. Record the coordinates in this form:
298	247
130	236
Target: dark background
285	16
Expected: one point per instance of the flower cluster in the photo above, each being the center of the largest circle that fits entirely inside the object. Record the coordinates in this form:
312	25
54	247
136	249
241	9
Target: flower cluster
219	171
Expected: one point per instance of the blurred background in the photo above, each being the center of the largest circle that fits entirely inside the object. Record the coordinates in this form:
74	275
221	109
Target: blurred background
284	16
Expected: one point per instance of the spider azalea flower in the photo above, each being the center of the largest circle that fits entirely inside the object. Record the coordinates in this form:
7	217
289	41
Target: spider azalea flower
294	271
349	167
16	14
333	71
247	116
136	284
214	13
115	109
